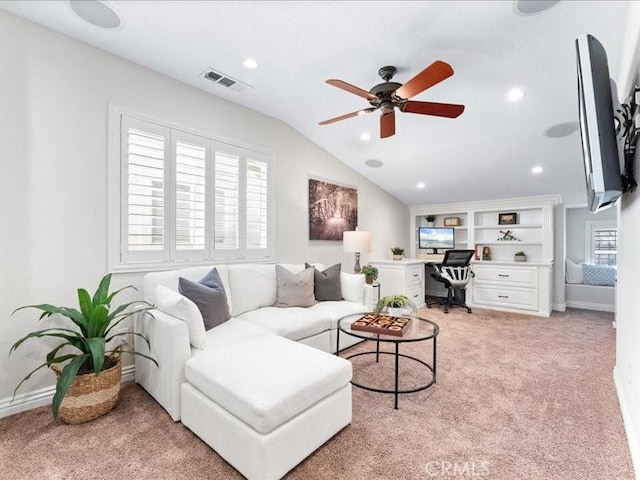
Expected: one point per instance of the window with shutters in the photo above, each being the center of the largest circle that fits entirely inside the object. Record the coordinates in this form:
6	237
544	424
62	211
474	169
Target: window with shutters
187	198
601	243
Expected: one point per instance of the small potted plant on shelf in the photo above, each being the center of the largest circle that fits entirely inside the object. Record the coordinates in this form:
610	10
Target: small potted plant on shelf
431	220
397	252
370	273
92	371
520	257
394	305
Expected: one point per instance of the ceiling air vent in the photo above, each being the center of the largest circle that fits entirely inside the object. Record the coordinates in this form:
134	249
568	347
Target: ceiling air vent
226	81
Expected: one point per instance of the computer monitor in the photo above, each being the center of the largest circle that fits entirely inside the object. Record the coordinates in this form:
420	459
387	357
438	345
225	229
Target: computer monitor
436	238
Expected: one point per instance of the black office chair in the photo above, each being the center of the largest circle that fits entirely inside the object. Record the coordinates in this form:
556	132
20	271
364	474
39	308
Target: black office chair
455	273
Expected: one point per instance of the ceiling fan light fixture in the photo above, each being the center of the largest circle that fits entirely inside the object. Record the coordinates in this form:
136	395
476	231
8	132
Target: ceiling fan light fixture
388	95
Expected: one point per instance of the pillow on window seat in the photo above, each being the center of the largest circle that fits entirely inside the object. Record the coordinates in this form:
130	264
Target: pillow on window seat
573	272
599	274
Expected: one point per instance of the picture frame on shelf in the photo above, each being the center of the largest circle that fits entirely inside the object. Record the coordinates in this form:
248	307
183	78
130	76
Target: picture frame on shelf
508	218
451	221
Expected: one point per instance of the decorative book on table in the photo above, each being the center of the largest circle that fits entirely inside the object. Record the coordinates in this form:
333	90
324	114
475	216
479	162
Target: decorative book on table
384	324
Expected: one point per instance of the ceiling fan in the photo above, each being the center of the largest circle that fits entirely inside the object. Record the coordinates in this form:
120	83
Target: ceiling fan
388	95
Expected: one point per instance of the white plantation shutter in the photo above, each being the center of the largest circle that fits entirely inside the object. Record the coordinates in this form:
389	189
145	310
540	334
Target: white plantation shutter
257	206
605	246
186	198
190	196
226	186
144	181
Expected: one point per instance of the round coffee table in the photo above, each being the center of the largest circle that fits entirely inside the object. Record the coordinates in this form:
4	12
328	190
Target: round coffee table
420	330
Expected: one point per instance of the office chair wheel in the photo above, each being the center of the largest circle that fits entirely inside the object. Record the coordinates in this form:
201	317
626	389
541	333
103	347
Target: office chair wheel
468	310
428	305
446	310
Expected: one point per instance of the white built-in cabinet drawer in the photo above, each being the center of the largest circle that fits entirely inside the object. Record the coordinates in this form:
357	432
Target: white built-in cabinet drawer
415	295
524	298
513	276
415	275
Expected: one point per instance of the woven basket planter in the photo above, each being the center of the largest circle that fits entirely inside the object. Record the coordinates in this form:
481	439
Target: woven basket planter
90	396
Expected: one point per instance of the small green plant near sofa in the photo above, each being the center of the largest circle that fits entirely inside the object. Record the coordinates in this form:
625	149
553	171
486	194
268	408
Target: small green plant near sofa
92	328
370	273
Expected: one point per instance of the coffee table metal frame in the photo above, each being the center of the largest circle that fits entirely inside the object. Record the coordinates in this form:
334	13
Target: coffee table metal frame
396	353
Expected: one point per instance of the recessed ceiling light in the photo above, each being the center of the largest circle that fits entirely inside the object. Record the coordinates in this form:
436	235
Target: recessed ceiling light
96	13
373	163
365	137
250	63
537	170
420	185
515	94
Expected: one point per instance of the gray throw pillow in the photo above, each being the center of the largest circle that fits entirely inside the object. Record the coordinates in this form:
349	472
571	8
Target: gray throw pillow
209	296
327	286
294	289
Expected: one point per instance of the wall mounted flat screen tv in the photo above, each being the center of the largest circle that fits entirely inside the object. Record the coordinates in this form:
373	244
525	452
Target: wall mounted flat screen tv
436	238
597	127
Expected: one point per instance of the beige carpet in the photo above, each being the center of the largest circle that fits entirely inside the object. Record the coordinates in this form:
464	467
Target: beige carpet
517	397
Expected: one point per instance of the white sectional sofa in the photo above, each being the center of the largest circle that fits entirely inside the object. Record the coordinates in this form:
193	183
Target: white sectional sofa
262	389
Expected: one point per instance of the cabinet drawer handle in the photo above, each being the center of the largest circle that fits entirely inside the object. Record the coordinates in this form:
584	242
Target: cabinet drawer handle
415	275
503	275
503	296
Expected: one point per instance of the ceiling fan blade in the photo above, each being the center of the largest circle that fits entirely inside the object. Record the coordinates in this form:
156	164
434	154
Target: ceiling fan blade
388	124
430	76
347	115
449	110
352	89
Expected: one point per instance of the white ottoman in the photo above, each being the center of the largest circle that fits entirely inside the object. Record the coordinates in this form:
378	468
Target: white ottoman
267	403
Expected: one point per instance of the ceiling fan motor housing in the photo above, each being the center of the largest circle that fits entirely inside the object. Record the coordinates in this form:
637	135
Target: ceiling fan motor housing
383	92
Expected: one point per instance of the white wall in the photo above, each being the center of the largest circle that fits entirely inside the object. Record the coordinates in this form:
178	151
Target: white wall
54	93
576	220
627	369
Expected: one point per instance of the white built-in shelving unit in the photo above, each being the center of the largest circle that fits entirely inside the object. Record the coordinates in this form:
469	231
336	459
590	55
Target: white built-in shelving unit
502	283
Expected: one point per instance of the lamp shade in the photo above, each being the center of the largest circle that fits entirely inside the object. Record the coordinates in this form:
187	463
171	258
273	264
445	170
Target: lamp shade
357	241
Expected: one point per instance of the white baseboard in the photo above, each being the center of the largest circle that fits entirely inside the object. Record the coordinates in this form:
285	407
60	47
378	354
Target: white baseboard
632	438
44	396
559	307
601	307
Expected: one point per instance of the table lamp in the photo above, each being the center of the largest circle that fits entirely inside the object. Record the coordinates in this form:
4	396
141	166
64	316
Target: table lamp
357	242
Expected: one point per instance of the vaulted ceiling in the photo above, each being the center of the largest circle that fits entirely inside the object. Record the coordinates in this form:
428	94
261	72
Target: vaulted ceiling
486	153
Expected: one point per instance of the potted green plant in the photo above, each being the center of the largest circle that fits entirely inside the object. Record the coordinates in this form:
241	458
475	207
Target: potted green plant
92	362
431	220
397	252
520	257
370	273
394	305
